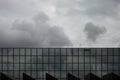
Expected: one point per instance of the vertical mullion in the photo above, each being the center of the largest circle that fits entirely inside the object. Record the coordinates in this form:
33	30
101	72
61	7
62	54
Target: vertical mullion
72	60
7	62
113	58
101	61
119	62
90	59
84	60
24	62
36	63
13	63
60	64
54	61
42	64
19	62
96	61
78	61
107	59
48	60
2	59
66	50
31	62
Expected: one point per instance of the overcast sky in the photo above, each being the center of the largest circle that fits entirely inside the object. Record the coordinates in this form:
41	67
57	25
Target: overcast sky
59	23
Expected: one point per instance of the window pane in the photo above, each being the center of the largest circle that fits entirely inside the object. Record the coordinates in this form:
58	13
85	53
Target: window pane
28	51
75	51
33	51
51	52
45	51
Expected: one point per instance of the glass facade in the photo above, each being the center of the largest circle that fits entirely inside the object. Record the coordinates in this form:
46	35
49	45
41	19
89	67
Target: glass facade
59	61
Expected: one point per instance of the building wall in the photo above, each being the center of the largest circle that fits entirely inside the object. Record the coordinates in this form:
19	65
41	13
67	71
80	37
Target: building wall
59	61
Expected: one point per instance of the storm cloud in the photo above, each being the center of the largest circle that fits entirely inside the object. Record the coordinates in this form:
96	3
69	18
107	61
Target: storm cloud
35	33
93	31
66	17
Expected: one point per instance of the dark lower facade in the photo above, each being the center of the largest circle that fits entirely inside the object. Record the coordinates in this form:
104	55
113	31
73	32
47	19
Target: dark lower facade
58	62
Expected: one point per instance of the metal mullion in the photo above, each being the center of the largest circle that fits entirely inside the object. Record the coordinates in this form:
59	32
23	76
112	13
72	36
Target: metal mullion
2	59
66	50
25	62
7	61
42	63
13	62
72	60
101	62
113	58
84	61
96	61
48	60
19	63
118	62
90	59
107	60
60	63
31	61
54	61
78	62
36	62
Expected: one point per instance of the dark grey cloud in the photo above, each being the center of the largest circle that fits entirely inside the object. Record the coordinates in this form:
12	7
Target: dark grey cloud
93	31
35	33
